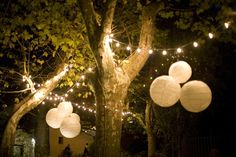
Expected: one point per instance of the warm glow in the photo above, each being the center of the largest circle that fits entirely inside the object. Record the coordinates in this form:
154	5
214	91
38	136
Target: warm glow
165	91
150	51
70	126
226	25
210	35
195	96
195	44
138	50
38	95
164	52
179	50
180	71
117	44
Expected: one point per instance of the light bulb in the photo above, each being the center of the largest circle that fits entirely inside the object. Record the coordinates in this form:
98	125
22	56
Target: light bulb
226	25
195	44
128	48
179	50
210	35
117	44
150	51
138	50
164	52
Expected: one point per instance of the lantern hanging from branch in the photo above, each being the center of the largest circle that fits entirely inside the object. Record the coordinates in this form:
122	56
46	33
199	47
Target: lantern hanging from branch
70	126
165	91
180	71
195	96
54	118
65	108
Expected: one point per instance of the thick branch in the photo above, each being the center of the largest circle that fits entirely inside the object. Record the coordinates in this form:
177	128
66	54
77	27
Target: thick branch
108	17
87	10
27	104
140	120
137	60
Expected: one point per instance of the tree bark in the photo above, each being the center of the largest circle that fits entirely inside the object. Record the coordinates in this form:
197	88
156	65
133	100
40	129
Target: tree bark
42	133
150	136
27	104
113	80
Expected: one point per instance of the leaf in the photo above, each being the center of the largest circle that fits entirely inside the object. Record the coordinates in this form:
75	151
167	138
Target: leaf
40	61
16	100
45	54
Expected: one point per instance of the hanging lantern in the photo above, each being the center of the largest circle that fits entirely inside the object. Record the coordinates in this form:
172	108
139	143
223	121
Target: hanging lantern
70	126
65	108
54	118
165	91
195	96
180	71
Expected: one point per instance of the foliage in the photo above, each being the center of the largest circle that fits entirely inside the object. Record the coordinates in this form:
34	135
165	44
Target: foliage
23	140
35	36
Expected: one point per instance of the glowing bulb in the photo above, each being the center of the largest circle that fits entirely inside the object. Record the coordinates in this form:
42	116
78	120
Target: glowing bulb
128	48
117	44
226	25
138	50
150	51
110	40
210	35
195	44
179	50
164	52
38	95
83	77
111	35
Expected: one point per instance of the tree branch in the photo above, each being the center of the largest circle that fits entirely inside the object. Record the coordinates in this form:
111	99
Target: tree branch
88	13
135	62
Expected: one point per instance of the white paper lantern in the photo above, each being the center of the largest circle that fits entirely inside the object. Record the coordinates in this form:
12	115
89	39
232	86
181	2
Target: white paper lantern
180	71
54	118
70	126
65	108
165	91
195	96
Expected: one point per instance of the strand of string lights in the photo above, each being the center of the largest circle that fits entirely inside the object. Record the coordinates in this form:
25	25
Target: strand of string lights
164	51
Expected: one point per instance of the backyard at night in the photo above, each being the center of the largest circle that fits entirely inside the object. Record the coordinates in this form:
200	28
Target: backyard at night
117	78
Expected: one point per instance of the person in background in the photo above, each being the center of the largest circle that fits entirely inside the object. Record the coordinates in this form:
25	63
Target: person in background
86	153
67	152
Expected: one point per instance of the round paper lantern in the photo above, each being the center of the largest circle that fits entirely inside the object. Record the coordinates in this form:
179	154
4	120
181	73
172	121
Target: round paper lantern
195	96
165	91
65	107
54	118
180	71
70	126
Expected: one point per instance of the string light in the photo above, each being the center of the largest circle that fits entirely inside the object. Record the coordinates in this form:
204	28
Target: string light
164	52
226	24
195	44
150	51
210	35
138	50
117	44
128	48
179	50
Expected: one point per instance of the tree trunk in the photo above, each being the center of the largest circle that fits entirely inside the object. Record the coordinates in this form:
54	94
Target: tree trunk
150	136
42	133
110	97
27	104
113	80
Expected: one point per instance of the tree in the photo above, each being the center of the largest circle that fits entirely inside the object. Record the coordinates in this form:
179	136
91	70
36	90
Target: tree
112	79
31	41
